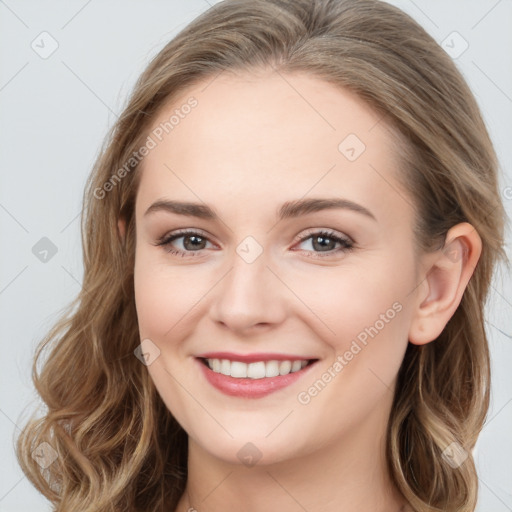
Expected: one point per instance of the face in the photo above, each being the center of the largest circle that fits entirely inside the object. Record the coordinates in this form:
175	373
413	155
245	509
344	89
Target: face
274	245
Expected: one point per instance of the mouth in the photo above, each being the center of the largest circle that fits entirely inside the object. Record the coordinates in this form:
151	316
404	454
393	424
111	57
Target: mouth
255	370
255	378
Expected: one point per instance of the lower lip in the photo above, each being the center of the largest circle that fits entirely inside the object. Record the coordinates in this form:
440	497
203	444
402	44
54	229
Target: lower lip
251	388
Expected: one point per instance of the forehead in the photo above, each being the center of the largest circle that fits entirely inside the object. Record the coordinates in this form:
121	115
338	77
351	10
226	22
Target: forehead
267	138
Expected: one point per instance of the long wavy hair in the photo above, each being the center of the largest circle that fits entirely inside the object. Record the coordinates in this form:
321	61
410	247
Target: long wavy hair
116	446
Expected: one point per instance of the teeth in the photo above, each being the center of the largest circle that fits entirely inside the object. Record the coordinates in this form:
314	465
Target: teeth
271	368
225	367
258	370
285	367
254	370
238	370
296	366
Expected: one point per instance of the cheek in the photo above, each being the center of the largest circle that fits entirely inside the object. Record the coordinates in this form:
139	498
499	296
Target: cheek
370	320
165	297
366	314
355	301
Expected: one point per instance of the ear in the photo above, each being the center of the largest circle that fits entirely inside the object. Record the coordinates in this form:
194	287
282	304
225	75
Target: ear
445	276
121	228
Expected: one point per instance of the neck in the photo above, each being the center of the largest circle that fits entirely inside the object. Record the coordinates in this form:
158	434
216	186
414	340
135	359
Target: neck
349	474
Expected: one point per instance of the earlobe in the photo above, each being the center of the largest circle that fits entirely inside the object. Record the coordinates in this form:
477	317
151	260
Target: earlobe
447	274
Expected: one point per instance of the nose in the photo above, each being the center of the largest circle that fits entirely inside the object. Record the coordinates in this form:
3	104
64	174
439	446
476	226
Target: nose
249	297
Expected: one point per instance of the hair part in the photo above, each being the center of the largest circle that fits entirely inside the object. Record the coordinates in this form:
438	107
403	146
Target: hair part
118	446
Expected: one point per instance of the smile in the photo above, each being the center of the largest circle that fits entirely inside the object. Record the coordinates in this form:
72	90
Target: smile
257	370
255	377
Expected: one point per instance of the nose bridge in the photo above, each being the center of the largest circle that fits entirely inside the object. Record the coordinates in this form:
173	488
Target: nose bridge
249	294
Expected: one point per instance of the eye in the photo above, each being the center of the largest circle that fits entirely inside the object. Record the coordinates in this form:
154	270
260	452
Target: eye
323	243
192	242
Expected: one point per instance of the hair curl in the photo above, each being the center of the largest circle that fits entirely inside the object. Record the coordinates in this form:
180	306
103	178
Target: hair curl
118	447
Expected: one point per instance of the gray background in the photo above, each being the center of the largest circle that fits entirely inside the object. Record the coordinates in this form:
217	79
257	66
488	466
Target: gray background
55	112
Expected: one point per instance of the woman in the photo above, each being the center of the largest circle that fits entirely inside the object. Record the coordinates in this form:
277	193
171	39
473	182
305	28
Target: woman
288	241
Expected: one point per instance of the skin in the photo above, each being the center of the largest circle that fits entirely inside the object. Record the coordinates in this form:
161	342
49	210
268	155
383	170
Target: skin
253	142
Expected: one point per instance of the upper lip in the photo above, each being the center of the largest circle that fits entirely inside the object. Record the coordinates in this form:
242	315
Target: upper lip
255	357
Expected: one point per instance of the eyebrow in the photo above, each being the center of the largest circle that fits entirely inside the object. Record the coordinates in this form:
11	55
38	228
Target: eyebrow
289	209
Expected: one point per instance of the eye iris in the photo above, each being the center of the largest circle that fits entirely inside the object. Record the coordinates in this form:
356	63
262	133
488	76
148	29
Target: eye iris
322	244
197	240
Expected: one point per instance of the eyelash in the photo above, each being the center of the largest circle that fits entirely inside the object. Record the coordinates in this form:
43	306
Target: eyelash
347	244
